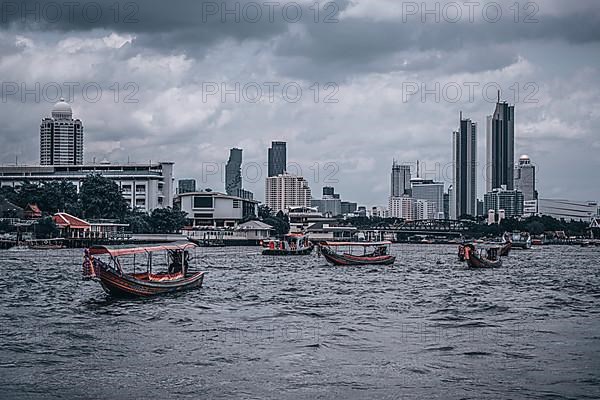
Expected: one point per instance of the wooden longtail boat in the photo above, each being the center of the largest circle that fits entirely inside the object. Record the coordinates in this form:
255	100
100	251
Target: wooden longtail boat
116	282
378	256
290	245
462	249
505	250
490	259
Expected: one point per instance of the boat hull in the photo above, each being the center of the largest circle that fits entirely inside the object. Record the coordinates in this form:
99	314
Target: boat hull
505	250
474	261
128	286
279	252
346	259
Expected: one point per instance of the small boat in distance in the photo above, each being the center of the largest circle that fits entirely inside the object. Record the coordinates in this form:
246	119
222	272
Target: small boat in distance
484	258
462	250
45	244
105	265
291	245
378	253
518	240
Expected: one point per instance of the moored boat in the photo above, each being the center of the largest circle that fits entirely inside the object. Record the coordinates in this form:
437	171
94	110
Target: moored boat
518	240
290	245
378	253
105	265
45	244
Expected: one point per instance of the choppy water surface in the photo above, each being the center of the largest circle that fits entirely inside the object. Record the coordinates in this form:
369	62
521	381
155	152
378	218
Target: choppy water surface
264	327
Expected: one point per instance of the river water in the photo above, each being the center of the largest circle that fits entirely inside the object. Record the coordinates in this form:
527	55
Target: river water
266	327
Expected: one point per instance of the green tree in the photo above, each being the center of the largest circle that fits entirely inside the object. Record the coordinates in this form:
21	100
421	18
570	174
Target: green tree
45	228
167	220
29	193
101	197
59	196
264	211
139	221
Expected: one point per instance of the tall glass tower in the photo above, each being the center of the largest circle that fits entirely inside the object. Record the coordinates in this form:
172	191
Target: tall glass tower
233	172
500	147
400	180
463	199
277	158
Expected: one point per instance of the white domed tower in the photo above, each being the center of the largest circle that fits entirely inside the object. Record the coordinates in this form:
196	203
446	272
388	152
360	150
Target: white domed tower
61	137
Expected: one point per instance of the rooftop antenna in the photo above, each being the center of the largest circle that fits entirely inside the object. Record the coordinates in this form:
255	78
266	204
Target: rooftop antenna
498	96
417	168
461	115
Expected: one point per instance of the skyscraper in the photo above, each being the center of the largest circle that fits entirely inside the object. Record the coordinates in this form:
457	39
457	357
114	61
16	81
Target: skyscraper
400	184
277	158
61	137
432	192
525	178
463	199
186	186
500	147
233	172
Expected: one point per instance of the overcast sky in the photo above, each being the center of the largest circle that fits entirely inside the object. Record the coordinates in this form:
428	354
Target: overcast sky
362	67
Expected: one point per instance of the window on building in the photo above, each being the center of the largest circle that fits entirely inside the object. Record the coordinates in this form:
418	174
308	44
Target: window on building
236	203
140	189
203	202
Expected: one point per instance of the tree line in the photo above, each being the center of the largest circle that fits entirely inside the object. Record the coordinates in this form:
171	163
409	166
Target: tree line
98	198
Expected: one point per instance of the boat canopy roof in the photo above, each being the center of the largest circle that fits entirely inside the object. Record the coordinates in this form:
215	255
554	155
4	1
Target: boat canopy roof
116	251
358	244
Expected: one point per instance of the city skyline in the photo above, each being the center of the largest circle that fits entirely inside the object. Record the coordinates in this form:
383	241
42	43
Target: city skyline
551	77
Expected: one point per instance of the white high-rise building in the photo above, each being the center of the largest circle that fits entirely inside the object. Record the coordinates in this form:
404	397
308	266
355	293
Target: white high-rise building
61	137
402	207
425	210
286	191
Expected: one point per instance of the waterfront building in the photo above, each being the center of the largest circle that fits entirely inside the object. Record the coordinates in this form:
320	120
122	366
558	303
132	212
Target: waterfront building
500	147
303	217
511	201
402	207
286	191
464	177
400	180
277	159
525	178
430	191
61	137
186	185
569	210
144	186
214	209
